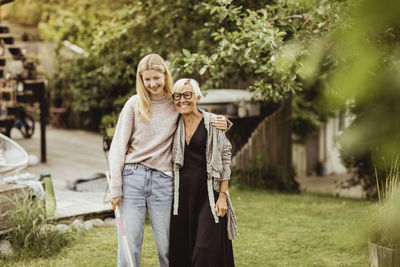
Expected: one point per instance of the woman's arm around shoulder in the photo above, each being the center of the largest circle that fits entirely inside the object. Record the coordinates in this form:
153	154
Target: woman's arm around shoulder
219	121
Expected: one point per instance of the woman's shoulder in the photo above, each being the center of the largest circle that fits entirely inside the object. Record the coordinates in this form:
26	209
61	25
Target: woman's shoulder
131	102
207	122
133	99
207	115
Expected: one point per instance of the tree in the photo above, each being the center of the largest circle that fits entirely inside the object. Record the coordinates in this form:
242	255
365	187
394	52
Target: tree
363	52
227	36
344	51
261	49
115	41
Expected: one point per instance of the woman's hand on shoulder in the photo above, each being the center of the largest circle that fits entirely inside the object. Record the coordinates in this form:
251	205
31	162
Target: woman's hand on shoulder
219	122
221	207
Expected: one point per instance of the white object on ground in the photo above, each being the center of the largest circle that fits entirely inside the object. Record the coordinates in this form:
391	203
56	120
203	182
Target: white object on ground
63	228
96	222
88	225
109	221
28	179
78	225
32	160
5	248
12	179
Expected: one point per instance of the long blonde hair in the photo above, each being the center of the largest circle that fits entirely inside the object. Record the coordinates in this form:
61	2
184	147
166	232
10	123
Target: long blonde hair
150	62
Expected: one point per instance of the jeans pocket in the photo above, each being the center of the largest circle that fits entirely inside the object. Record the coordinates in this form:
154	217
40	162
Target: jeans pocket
166	175
128	170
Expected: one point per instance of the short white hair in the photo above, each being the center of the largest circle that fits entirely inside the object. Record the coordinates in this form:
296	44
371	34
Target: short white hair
179	84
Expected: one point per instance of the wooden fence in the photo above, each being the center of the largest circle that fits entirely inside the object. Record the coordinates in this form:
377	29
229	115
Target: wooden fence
269	145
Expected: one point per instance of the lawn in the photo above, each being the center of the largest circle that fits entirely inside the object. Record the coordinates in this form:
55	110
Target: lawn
275	229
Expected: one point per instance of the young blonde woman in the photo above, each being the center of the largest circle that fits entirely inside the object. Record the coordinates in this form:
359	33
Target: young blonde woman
142	179
203	222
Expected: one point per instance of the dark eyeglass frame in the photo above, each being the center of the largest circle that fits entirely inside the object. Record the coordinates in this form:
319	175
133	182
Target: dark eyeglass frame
177	96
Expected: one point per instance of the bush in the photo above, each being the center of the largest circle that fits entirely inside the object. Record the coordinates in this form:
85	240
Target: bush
385	230
264	176
32	236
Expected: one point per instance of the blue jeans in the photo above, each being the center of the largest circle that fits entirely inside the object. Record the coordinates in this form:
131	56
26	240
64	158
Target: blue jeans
143	188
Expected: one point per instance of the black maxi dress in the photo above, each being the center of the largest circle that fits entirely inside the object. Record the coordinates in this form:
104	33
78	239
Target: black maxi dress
195	239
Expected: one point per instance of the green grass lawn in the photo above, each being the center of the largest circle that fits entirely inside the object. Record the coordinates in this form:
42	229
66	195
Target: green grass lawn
274	230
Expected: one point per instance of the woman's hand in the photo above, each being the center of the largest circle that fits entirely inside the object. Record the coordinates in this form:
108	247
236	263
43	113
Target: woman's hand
115	202
219	122
221	206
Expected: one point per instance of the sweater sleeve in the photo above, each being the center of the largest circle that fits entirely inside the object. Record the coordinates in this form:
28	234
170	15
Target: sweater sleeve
226	157
119	145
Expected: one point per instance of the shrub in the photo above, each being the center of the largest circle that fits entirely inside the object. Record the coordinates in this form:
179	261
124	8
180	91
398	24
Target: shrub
32	236
385	231
261	175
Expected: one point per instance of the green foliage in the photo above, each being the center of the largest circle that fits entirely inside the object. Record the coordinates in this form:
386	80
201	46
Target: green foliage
386	215
115	41
308	113
246	42
93	87
32	236
345	54
264	176
108	124
262	48
360	65
25	12
257	45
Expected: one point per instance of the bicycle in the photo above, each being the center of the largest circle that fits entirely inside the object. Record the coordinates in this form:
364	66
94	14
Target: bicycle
23	121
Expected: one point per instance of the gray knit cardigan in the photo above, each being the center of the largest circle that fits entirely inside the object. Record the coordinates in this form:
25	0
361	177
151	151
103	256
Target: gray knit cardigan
218	158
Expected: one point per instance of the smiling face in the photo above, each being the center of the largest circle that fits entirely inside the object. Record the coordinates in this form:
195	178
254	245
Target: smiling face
154	82
187	106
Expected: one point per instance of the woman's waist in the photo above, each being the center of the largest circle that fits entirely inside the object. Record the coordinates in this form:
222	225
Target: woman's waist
165	167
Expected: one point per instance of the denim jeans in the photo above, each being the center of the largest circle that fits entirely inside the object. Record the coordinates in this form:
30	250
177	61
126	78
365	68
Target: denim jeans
144	188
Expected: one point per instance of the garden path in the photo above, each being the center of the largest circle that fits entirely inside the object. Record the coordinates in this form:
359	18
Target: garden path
71	154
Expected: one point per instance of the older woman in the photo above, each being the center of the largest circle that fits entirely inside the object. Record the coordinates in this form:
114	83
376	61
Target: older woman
200	232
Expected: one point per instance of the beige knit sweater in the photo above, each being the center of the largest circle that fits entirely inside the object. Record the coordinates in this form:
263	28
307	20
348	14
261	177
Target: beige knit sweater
151	142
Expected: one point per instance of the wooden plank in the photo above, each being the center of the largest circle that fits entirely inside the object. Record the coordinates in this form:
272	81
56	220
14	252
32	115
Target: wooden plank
11	192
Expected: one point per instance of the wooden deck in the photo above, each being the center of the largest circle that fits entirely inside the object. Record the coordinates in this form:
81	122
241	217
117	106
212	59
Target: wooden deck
71	154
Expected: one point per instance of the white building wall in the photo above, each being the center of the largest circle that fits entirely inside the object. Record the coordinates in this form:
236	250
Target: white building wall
329	147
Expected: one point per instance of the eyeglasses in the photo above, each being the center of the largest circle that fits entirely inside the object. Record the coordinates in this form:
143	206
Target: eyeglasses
178	96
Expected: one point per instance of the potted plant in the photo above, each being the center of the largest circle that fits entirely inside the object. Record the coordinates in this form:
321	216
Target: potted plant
384	243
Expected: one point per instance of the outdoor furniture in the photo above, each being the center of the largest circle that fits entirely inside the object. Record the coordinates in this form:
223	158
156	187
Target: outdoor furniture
56	116
12	155
34	91
6	123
